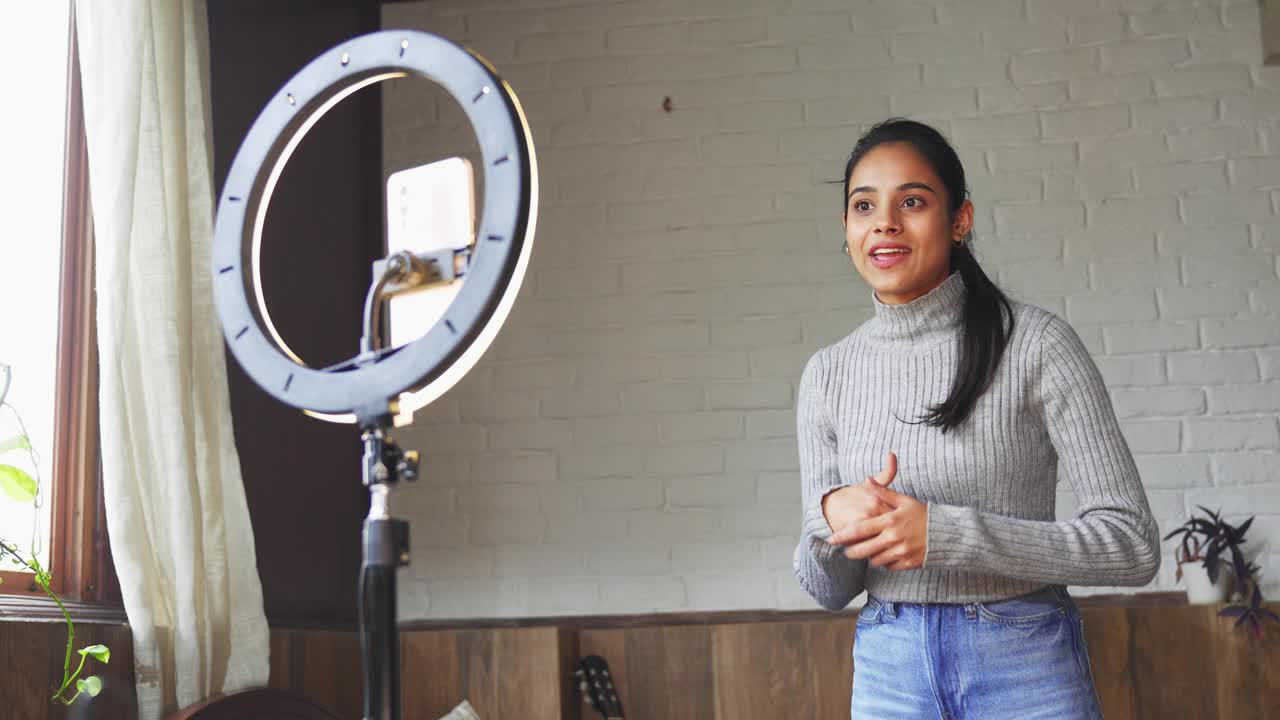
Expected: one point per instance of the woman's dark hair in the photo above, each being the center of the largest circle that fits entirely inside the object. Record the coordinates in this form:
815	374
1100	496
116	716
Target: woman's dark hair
985	334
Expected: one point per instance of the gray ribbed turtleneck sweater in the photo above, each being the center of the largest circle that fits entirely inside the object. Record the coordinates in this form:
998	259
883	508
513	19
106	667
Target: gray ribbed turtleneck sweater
988	484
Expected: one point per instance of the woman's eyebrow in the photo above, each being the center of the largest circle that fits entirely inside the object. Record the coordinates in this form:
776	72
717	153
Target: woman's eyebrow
903	186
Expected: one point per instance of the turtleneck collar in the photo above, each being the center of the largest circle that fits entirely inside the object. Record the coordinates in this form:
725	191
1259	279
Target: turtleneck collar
922	323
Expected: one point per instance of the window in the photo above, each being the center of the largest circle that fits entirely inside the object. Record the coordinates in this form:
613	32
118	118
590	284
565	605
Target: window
46	335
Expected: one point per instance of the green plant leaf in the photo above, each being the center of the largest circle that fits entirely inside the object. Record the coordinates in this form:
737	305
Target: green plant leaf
17	442
91	685
101	653
17	484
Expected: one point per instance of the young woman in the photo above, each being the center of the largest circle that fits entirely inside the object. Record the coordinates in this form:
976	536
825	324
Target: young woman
965	406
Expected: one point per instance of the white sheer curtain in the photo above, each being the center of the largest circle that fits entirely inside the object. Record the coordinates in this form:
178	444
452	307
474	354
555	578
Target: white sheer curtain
180	533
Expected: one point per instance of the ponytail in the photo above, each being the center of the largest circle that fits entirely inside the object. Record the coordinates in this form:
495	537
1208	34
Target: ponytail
983	338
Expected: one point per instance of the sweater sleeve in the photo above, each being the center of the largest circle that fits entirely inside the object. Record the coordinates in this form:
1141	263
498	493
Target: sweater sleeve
1112	540
821	568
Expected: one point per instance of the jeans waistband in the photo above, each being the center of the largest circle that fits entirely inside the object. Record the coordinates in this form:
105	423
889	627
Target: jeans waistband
890	607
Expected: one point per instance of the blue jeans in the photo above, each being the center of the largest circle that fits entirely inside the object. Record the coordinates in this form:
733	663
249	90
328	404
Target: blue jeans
1022	658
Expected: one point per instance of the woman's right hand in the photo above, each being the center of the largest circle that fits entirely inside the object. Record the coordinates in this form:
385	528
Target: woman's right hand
855	503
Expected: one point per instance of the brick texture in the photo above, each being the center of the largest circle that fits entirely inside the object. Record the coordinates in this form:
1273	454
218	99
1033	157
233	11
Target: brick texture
627	445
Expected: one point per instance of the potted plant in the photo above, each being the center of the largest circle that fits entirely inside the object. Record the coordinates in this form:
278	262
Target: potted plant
18	485
1205	539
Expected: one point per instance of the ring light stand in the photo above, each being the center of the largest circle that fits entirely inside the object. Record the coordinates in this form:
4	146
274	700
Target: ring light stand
380	388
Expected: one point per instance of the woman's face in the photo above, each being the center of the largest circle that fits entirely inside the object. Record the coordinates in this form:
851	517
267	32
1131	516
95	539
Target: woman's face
897	223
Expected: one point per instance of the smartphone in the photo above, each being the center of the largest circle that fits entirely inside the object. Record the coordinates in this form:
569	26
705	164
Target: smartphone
429	208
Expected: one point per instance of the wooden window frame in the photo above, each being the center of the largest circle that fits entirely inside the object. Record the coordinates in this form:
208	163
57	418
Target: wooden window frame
79	552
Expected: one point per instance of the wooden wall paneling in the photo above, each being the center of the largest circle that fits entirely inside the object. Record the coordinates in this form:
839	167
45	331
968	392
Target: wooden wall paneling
502	672
431	673
1171	664
570	697
328	671
662	673
477	679
279	667
32	655
529	682
477	670
763	672
674	665
507	672
1247	670
1148	662
1109	636
321	665
738	671
831	645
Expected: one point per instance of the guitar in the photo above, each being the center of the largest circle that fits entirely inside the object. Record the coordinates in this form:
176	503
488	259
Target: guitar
596	683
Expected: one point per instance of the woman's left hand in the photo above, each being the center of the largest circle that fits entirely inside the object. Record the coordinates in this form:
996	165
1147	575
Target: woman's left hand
897	539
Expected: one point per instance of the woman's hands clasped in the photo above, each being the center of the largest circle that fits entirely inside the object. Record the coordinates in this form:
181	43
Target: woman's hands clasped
887	528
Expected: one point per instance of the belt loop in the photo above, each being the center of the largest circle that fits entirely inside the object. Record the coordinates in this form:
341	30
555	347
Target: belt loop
971	610
891	608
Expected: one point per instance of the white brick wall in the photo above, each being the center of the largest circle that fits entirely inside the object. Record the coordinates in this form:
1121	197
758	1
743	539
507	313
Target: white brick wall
628	443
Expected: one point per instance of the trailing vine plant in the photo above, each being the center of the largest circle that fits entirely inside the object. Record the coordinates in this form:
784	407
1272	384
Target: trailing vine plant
19	486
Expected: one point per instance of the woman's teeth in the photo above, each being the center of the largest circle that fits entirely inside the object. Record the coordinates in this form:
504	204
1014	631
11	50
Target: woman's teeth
889	257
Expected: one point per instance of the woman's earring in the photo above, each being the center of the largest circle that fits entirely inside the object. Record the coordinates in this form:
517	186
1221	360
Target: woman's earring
845	248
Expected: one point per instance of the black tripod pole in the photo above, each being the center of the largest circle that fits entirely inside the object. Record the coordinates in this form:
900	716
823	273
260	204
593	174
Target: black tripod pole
386	548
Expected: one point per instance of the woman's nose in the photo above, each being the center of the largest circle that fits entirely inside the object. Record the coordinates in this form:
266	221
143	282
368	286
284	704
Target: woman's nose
887	224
